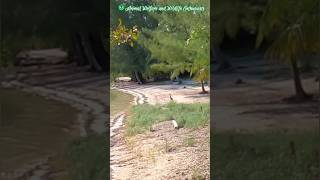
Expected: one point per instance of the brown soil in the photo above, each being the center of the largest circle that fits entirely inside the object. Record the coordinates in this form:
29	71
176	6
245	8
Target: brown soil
162	154
258	104
166	152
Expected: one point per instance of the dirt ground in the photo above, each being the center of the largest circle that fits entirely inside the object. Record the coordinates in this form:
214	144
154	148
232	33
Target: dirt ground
159	93
165	153
258	102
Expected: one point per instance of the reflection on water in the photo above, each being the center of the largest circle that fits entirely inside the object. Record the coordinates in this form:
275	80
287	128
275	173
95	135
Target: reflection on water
31	128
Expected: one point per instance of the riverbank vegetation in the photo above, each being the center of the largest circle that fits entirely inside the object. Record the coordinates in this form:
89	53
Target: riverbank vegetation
161	46
142	117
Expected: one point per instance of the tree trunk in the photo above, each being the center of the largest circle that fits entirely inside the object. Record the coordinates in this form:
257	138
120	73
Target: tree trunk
89	53
137	77
77	50
300	93
98	50
202	87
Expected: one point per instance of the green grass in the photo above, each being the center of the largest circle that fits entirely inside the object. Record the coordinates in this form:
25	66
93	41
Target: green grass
266	156
88	158
119	101
187	115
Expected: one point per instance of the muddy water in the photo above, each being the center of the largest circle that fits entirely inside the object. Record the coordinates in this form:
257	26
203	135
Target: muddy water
32	128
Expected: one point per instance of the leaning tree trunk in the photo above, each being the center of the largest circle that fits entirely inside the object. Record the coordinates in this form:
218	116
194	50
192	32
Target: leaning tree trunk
89	53
300	93
98	50
88	48
202	87
77	50
137	77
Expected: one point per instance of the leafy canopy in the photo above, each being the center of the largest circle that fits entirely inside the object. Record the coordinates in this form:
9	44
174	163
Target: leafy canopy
180	42
293	27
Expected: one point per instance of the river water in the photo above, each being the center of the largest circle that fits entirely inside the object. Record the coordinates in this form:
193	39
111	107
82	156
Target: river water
32	128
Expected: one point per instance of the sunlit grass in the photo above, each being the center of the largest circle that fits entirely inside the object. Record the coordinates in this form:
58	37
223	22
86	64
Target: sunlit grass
142	117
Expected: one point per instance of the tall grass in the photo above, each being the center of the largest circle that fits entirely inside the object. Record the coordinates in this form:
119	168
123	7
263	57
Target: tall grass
88	158
264	156
187	115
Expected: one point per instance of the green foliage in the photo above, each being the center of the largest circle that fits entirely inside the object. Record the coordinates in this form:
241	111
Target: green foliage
292	26
122	35
186	115
180	42
229	16
88	158
126	58
169	43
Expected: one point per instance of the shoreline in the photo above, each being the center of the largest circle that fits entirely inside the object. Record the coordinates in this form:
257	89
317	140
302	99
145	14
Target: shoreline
89	112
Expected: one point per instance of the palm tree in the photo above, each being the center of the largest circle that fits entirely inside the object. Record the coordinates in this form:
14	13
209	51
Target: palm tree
293	27
198	44
180	44
202	75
